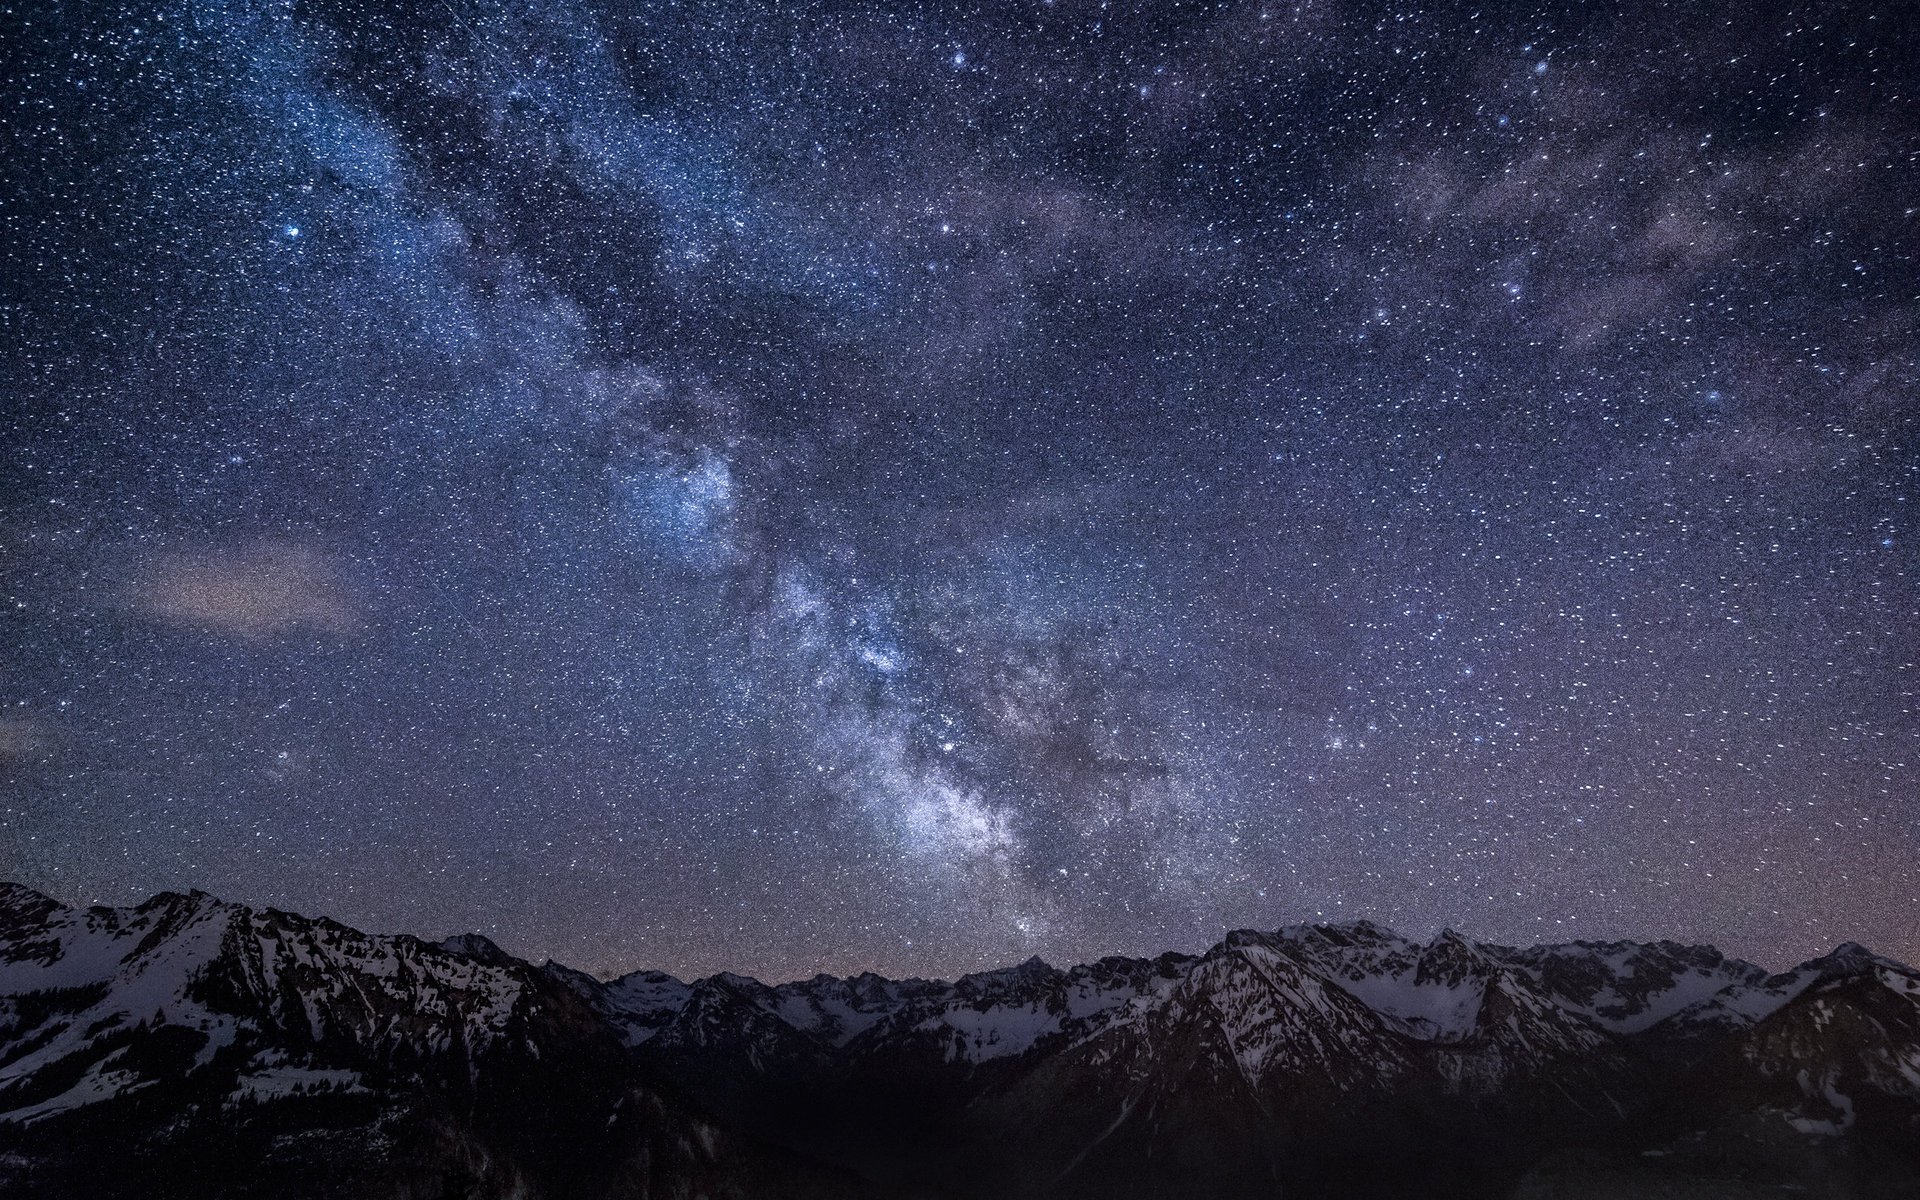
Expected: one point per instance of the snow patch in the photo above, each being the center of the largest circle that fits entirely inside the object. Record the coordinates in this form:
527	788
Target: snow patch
278	1082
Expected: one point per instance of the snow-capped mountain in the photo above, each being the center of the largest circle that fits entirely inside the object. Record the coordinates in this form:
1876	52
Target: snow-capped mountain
193	1047
241	1051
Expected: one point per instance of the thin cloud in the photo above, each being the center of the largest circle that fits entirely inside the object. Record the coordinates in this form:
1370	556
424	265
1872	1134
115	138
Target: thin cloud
22	738
255	593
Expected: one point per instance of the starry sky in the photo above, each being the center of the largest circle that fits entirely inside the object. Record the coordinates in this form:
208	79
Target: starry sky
791	486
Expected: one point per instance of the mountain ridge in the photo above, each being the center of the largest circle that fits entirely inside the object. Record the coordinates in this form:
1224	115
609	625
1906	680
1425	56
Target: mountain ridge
1338	1059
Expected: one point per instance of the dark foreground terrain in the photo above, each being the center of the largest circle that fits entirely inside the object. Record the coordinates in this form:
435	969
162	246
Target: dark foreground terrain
190	1047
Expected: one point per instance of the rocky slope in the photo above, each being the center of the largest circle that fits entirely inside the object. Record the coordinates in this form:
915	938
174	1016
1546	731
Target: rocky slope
190	1047
193	1047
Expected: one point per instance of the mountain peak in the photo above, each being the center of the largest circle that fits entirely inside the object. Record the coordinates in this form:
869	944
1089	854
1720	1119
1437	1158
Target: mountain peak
19	900
1305	1022
1033	965
477	946
1364	926
734	982
1848	958
189	905
1034	970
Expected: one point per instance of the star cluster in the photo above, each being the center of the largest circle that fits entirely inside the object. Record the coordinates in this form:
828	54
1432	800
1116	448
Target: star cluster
795	486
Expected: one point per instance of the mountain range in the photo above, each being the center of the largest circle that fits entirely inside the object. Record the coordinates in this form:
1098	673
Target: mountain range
194	1047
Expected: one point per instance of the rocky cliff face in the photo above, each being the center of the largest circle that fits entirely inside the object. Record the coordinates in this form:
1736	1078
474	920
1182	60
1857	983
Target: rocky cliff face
194	1047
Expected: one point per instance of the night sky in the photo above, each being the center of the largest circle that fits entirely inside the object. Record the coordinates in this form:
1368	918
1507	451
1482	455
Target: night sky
800	486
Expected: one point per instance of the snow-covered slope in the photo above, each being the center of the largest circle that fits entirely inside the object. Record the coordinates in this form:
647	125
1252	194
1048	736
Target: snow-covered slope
223	978
1430	992
1308	1053
1295	1036
194	1047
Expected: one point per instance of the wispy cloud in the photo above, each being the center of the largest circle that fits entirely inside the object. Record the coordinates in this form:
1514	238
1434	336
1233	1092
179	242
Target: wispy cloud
22	738
256	593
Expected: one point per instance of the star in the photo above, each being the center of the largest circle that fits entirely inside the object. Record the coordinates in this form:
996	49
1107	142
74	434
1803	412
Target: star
1235	455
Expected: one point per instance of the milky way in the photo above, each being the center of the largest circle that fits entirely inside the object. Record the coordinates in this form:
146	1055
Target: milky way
816	486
